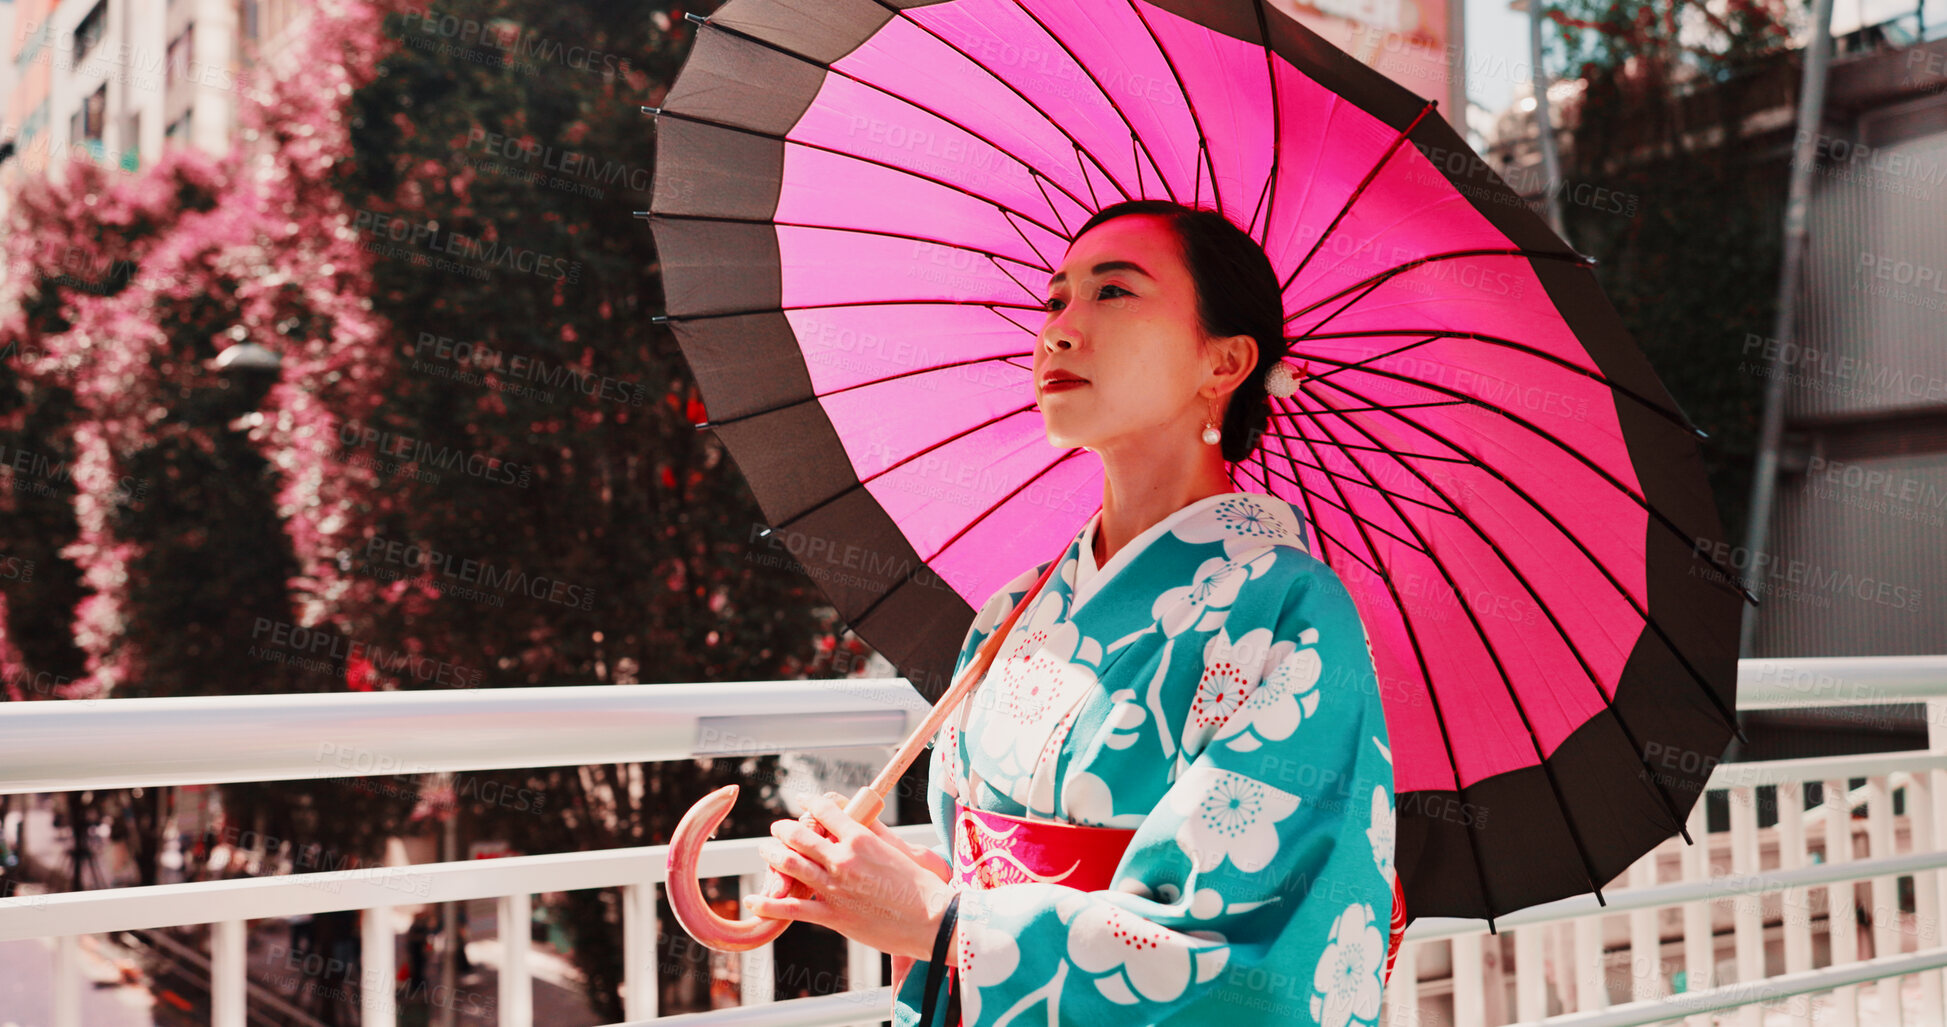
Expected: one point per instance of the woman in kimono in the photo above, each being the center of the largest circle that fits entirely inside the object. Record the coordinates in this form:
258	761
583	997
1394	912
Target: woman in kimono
1170	798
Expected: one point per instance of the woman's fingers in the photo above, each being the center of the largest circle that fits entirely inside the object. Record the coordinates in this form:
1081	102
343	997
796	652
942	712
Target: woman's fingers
815	846
834	819
793	864
808	910
879	828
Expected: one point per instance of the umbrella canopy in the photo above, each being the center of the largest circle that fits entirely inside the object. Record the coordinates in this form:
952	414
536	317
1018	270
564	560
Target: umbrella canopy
858	205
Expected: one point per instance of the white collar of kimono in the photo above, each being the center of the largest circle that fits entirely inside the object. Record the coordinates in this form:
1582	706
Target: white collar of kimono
1089	579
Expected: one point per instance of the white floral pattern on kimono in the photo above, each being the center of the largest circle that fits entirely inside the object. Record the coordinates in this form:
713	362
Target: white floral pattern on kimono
1212	688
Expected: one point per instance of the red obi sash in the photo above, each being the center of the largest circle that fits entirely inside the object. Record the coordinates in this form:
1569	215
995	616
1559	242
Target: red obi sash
991	849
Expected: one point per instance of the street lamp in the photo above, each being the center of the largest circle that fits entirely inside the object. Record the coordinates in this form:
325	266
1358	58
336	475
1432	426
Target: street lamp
249	370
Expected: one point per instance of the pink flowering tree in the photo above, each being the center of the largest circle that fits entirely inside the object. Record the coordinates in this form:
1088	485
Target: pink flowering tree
476	466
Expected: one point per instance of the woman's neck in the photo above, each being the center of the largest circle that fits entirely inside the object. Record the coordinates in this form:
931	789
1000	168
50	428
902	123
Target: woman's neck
1144	484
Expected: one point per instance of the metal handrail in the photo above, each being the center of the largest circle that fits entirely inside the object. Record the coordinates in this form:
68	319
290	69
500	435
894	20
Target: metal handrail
253	898
198	740
126	743
1745	993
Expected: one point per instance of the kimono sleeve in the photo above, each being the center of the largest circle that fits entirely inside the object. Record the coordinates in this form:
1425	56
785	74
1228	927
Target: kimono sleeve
1268	859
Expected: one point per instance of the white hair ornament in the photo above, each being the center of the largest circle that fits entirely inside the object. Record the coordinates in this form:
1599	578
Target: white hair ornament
1280	380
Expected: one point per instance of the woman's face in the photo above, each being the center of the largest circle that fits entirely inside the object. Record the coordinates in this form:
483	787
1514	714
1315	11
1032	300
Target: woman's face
1122	314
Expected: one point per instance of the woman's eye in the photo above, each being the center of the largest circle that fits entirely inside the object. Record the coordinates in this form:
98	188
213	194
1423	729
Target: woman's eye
1052	304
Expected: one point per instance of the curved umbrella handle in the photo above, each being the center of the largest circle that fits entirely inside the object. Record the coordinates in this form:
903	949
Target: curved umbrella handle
686	844
686	893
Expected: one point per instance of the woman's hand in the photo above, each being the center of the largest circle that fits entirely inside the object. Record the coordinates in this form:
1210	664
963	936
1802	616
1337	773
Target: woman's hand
866	884
902	965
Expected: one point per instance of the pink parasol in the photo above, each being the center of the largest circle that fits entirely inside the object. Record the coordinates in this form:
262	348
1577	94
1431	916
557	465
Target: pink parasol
857	206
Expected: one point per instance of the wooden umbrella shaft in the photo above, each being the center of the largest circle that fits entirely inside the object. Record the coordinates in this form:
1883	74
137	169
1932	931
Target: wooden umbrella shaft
871	799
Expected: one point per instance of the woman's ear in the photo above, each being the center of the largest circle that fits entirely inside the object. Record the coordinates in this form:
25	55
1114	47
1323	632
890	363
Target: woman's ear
1232	359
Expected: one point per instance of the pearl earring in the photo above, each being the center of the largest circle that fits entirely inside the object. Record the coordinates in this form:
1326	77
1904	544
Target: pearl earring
1210	433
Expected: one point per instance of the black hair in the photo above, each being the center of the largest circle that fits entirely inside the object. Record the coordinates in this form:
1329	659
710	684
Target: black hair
1238	293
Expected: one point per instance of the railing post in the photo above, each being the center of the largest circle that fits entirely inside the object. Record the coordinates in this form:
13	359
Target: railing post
1645	944
378	969
1937	743
227	957
641	952
1699	939
1926	888
1403	988
862	969
1469	999
1886	895
1841	923
515	914
1795	904
67	981
1562	960
1530	975
756	968
1747	910
1592	987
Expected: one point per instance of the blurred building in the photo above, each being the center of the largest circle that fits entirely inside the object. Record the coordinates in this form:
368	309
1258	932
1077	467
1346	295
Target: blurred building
116	82
1858	540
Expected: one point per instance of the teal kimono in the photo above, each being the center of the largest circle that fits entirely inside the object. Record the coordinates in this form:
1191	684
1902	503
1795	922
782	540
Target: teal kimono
1211	687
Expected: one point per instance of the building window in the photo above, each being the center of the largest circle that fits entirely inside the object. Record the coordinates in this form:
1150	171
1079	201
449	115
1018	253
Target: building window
249	18
90	117
181	50
87	34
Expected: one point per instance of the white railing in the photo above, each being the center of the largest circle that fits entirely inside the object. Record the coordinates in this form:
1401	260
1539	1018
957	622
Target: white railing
1766	892
96	744
1459	974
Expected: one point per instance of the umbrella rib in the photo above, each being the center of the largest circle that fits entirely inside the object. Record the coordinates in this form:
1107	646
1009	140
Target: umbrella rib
1650	775
1435	334
1346	510
1346	208
882	233
1036	250
1362	361
1311	514
1561	804
916	105
1106	95
1728	716
1019	325
1366	285
1094	201
1361	482
1203	154
1394	452
907	15
800	401
1362	410
1419	657
863	159
907	575
909	458
1409	543
1641	501
1268	196
1035	176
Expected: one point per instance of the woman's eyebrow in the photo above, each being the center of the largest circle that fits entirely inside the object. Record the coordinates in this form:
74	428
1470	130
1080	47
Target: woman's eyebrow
1104	268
